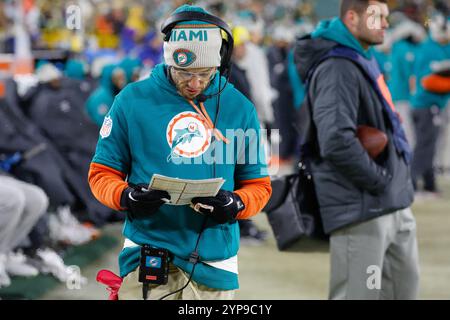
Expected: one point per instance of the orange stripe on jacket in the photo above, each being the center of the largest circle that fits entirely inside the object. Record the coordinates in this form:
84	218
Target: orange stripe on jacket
385	92
107	184
255	194
436	84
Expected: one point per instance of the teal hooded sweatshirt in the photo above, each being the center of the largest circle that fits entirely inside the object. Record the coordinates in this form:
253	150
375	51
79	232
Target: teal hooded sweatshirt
429	52
137	140
298	88
99	102
75	70
335	30
130	66
403	56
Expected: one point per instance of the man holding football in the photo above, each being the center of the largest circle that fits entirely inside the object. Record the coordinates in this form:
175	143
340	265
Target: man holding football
364	195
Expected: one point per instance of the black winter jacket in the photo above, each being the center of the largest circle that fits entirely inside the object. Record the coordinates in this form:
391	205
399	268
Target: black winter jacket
350	186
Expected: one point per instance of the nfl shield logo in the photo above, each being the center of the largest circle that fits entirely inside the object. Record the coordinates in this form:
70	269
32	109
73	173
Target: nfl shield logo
105	131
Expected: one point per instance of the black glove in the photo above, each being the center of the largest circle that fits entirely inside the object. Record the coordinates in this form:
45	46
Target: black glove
142	202
385	179
223	208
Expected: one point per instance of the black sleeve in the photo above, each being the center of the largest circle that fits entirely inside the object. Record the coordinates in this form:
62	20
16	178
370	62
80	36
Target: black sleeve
335	99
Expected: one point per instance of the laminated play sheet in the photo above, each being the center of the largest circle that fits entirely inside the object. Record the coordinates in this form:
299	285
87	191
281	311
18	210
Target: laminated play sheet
183	190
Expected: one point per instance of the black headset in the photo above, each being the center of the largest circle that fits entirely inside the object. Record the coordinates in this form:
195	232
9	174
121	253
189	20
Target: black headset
227	44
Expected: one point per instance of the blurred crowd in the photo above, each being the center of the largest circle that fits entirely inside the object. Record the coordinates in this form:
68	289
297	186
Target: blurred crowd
50	118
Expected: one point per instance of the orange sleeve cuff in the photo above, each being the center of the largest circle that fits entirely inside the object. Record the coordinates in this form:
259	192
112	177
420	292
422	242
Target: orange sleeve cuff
254	194
107	184
436	84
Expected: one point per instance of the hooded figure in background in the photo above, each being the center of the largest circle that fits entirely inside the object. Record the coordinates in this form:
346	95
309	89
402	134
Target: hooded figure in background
249	232
132	68
279	55
75	69
405	39
113	79
256	67
76	72
238	76
19	134
29	156
428	105
57	111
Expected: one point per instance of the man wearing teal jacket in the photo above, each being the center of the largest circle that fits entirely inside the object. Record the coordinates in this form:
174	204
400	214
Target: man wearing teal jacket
403	56
184	121
113	79
428	107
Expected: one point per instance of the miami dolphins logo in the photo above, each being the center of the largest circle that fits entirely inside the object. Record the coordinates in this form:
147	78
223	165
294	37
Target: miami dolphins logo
187	136
184	57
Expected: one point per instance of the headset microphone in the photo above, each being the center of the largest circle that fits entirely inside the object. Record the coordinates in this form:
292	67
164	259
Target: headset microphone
203	97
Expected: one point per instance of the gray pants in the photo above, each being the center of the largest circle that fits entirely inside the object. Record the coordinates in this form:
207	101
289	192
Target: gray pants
427	124
21	206
442	160
376	259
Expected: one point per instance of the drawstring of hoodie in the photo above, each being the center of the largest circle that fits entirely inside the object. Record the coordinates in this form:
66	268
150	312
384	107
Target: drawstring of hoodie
219	136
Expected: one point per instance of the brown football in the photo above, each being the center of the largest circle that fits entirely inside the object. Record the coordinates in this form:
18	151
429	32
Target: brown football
372	139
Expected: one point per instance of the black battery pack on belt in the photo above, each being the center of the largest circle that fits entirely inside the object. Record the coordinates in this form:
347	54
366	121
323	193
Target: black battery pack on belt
154	266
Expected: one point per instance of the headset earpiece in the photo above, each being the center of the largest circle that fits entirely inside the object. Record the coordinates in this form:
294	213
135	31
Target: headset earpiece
224	59
167	36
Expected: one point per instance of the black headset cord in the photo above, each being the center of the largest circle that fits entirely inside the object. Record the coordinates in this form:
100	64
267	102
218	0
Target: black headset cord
193	258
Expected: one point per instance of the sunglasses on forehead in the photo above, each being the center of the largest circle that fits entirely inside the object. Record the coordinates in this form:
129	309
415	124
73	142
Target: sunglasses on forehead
186	75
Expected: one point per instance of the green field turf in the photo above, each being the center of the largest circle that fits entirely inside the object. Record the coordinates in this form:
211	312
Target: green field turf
266	273
303	272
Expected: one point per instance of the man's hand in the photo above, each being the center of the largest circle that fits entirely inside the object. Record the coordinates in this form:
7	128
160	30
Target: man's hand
223	208
142	202
385	179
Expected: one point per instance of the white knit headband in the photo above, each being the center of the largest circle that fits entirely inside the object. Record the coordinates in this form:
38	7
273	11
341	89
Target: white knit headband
193	46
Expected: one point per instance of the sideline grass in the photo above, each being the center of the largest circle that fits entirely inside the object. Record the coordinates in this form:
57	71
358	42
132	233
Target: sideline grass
303	272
